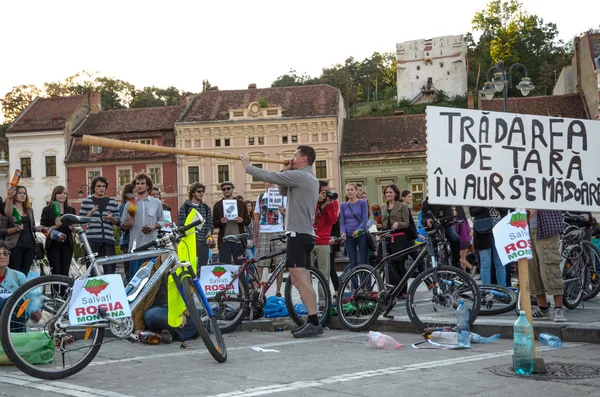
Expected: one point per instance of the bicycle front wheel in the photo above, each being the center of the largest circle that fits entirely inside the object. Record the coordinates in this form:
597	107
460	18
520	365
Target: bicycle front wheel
36	334
591	281
431	304
206	325
358	303
295	306
573	275
496	299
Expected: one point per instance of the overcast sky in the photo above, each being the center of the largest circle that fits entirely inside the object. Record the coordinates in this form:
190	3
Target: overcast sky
230	43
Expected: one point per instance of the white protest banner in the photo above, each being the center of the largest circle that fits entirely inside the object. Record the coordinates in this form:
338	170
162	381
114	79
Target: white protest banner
217	278
511	237
496	159
275	199
168	221
103	292
230	209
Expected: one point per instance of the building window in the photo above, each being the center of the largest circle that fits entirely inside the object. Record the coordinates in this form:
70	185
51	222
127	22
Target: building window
25	167
227	142
155	173
50	165
254	178
238	114
251	140
272	112
123	177
441	64
448	73
417	193
142	141
196	142
223	173
91	175
417	77
217	142
294	138
193	174
418	68
321	169
96	149
261	140
284	139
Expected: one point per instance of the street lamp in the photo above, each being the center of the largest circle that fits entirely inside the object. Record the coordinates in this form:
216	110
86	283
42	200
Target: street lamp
81	192
500	83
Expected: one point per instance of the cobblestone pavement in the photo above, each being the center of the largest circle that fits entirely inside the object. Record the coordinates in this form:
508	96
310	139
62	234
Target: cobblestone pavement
335	364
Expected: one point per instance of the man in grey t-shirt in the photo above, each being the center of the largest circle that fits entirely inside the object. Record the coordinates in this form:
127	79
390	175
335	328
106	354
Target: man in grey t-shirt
297	181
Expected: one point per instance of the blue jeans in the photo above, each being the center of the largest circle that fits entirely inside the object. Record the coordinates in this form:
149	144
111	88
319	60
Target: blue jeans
485	267
156	320
356	248
454	241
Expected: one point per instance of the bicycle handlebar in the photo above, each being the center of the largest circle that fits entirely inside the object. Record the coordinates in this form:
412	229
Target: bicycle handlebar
177	234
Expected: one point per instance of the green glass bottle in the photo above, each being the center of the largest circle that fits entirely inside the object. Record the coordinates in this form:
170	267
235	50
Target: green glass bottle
56	209
16	216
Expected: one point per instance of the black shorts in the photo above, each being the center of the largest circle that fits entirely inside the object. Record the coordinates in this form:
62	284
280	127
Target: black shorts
298	250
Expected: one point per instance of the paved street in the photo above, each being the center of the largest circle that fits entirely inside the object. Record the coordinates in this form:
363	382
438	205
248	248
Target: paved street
336	364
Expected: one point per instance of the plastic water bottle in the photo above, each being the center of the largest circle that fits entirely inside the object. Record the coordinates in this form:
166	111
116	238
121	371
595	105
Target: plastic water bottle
139	280
550	340
451	338
382	340
476	338
55	235
523	346
462	325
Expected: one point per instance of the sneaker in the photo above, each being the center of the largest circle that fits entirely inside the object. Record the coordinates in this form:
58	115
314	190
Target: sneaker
278	294
299	329
308	331
166	336
559	315
537	314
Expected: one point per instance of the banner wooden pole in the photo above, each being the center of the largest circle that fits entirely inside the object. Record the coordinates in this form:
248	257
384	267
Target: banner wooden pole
142	147
526	293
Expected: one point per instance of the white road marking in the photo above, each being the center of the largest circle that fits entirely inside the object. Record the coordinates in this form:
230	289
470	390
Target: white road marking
63	388
279	388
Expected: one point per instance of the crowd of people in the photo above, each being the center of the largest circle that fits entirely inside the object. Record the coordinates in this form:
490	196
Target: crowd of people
295	203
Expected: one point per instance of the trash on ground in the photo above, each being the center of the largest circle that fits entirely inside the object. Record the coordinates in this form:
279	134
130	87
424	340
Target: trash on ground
275	307
260	349
383	341
451	338
550	340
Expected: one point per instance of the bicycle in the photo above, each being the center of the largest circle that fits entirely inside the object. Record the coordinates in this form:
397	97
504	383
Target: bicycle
231	310
437	290
579	258
496	299
72	347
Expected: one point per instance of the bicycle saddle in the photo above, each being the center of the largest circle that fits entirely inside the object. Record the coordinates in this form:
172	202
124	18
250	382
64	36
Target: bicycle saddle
70	219
235	238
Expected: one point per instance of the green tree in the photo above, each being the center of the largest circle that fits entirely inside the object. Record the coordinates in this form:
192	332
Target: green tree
17	99
512	35
153	96
292	78
205	85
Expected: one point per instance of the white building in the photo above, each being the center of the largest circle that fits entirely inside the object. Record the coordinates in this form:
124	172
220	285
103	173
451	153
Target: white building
426	66
37	142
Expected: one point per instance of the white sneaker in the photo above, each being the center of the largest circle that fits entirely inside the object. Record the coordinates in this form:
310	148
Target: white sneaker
559	315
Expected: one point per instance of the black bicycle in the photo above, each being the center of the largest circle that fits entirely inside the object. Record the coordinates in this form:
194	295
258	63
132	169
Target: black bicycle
432	297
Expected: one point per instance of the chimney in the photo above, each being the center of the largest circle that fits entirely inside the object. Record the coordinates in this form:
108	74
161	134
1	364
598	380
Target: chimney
398	112
470	101
95	104
252	86
214	88
185	99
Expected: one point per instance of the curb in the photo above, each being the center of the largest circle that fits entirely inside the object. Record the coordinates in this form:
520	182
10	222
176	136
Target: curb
568	332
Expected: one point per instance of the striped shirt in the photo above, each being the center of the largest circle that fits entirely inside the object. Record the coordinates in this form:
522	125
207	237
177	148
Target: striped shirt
100	232
204	210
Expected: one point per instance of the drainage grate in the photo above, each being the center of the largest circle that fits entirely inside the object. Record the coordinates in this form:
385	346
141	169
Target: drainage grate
555	371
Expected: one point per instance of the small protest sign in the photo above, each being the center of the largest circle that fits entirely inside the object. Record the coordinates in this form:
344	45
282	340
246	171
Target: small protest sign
217	278
511	237
92	294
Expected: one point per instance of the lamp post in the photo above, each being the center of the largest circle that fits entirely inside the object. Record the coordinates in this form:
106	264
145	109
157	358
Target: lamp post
502	82
80	193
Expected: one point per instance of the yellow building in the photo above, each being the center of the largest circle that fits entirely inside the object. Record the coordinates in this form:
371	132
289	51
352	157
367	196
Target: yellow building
378	151
266	123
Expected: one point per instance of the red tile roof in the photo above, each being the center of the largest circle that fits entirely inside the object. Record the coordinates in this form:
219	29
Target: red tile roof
47	114
384	135
570	105
161	118
300	101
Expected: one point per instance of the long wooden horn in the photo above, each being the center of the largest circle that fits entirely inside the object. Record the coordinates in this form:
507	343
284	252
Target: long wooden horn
142	147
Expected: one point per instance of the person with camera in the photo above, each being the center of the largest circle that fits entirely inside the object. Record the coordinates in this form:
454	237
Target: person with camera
326	214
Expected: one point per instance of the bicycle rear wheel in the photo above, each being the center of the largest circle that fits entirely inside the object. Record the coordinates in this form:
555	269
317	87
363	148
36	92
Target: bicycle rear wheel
296	307
358	303
206	325
591	281
496	299
573	274
37	340
431	305
230	310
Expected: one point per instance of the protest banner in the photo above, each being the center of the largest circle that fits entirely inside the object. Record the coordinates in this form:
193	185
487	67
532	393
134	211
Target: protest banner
496	159
275	199
511	237
217	278
104	292
230	209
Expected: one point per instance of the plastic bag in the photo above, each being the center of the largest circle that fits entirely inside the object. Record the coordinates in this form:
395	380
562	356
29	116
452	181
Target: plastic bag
300	309
275	307
34	347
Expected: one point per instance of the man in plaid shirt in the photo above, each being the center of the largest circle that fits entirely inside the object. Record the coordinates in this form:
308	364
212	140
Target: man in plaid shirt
545	276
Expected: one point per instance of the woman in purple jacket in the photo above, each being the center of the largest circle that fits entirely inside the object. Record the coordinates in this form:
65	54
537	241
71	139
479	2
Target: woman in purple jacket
464	233
353	222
